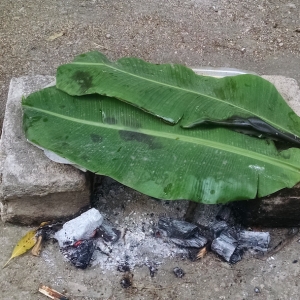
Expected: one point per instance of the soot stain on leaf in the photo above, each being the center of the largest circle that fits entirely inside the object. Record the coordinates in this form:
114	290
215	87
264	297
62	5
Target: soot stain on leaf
141	138
96	138
83	79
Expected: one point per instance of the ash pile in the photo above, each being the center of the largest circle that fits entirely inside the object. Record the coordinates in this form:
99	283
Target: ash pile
129	229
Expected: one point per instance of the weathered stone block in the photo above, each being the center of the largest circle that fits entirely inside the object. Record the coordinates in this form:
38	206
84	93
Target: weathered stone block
34	188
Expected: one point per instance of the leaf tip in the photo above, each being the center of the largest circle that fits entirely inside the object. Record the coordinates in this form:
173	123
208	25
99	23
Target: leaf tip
7	263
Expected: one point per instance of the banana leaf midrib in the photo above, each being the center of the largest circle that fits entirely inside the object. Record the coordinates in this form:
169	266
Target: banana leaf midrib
185	90
200	141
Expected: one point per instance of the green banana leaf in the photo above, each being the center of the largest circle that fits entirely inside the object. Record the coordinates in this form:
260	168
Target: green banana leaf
176	94
110	137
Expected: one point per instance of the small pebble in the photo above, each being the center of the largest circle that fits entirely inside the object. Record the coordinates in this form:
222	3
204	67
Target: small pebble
256	290
108	36
291	5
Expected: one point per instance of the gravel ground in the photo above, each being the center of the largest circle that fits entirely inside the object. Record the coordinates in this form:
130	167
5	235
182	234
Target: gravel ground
261	36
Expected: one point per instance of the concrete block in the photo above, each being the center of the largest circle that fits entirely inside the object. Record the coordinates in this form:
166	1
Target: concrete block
281	209
33	188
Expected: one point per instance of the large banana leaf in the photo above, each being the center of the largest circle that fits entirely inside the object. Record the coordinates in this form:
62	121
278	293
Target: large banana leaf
175	93
110	137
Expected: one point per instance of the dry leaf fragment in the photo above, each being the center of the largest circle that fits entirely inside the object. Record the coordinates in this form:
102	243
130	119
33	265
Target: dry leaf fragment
36	250
201	253
55	36
44	224
53	294
24	244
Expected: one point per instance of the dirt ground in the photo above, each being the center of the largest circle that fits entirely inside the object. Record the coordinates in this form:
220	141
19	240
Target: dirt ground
261	36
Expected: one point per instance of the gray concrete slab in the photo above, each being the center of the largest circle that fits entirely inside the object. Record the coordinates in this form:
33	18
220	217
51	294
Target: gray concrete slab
34	188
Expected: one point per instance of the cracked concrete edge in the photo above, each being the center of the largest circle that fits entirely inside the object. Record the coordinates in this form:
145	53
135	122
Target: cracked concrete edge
31	185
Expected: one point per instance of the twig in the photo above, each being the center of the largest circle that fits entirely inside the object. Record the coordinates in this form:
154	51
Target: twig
51	293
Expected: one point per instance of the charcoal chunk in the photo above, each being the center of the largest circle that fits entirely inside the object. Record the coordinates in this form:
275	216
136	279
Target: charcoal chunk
225	245
126	280
80	255
237	255
206	214
218	227
108	233
230	234
258	241
123	268
195	242
223	214
152	267
223	248
178	272
177	229
103	247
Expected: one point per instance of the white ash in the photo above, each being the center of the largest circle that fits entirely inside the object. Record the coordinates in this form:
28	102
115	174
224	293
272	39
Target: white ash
136	216
136	248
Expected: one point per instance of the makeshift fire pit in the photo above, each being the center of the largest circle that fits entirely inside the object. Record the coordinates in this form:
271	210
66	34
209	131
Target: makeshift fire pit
122	238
